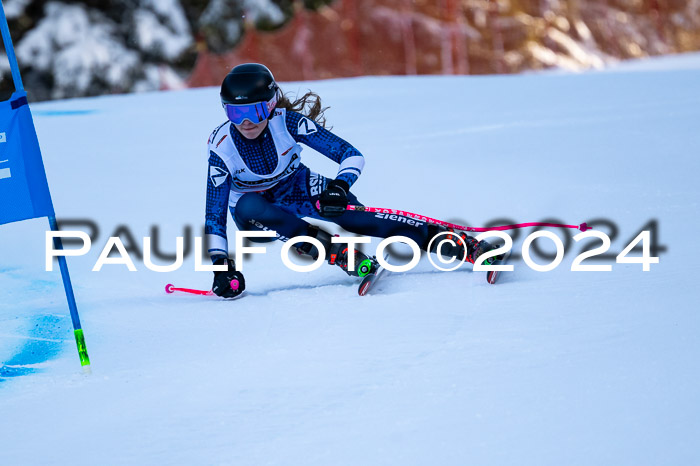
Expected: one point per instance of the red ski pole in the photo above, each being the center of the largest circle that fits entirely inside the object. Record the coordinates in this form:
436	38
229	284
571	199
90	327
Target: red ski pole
169	288
423	218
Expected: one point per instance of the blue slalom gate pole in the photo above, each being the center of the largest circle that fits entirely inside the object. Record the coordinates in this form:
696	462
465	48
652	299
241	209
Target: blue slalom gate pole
70	296
48	205
10	50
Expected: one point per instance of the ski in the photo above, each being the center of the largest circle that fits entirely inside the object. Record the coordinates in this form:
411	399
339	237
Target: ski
372	277
492	275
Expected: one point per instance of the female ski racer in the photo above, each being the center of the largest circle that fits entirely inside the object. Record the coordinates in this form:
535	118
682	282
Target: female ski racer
255	172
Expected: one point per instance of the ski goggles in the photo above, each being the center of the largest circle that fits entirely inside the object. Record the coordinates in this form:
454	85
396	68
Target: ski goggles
255	113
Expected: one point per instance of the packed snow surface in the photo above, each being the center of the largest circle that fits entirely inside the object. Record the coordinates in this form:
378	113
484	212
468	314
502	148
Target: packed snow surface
544	368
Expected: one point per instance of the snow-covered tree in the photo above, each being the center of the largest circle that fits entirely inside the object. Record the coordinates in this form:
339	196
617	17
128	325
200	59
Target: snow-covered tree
70	48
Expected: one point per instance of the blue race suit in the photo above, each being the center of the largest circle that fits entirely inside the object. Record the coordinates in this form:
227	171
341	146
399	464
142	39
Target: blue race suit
290	192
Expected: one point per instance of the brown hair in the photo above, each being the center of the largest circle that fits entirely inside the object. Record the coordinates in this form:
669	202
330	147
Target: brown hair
309	105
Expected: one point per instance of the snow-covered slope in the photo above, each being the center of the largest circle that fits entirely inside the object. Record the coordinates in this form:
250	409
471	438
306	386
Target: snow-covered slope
545	368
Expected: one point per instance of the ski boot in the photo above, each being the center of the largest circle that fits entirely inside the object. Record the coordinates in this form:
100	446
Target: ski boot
477	248
460	239
339	255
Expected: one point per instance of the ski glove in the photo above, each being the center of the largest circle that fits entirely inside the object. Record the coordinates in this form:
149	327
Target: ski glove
222	280
333	201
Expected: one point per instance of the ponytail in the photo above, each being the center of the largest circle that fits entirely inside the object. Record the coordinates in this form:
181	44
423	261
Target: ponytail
308	105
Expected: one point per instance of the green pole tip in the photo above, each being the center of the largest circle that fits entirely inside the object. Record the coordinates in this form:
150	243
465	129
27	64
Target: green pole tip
82	349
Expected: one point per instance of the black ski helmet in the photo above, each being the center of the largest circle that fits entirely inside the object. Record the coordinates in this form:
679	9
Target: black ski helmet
248	83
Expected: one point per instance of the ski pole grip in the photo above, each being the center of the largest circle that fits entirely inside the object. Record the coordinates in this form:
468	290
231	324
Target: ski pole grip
235	284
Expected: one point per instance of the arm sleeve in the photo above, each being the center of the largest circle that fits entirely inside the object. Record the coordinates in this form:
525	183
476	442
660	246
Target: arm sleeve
218	188
315	136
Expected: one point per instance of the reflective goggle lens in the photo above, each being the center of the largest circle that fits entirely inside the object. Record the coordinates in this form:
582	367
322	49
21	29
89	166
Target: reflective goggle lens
256	113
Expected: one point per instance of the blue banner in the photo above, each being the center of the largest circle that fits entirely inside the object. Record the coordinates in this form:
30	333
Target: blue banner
24	191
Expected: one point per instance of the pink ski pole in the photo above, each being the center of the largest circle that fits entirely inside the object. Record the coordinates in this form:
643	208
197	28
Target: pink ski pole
422	218
169	288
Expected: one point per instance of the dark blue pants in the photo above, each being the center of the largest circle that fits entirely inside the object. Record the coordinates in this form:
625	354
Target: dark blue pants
281	209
